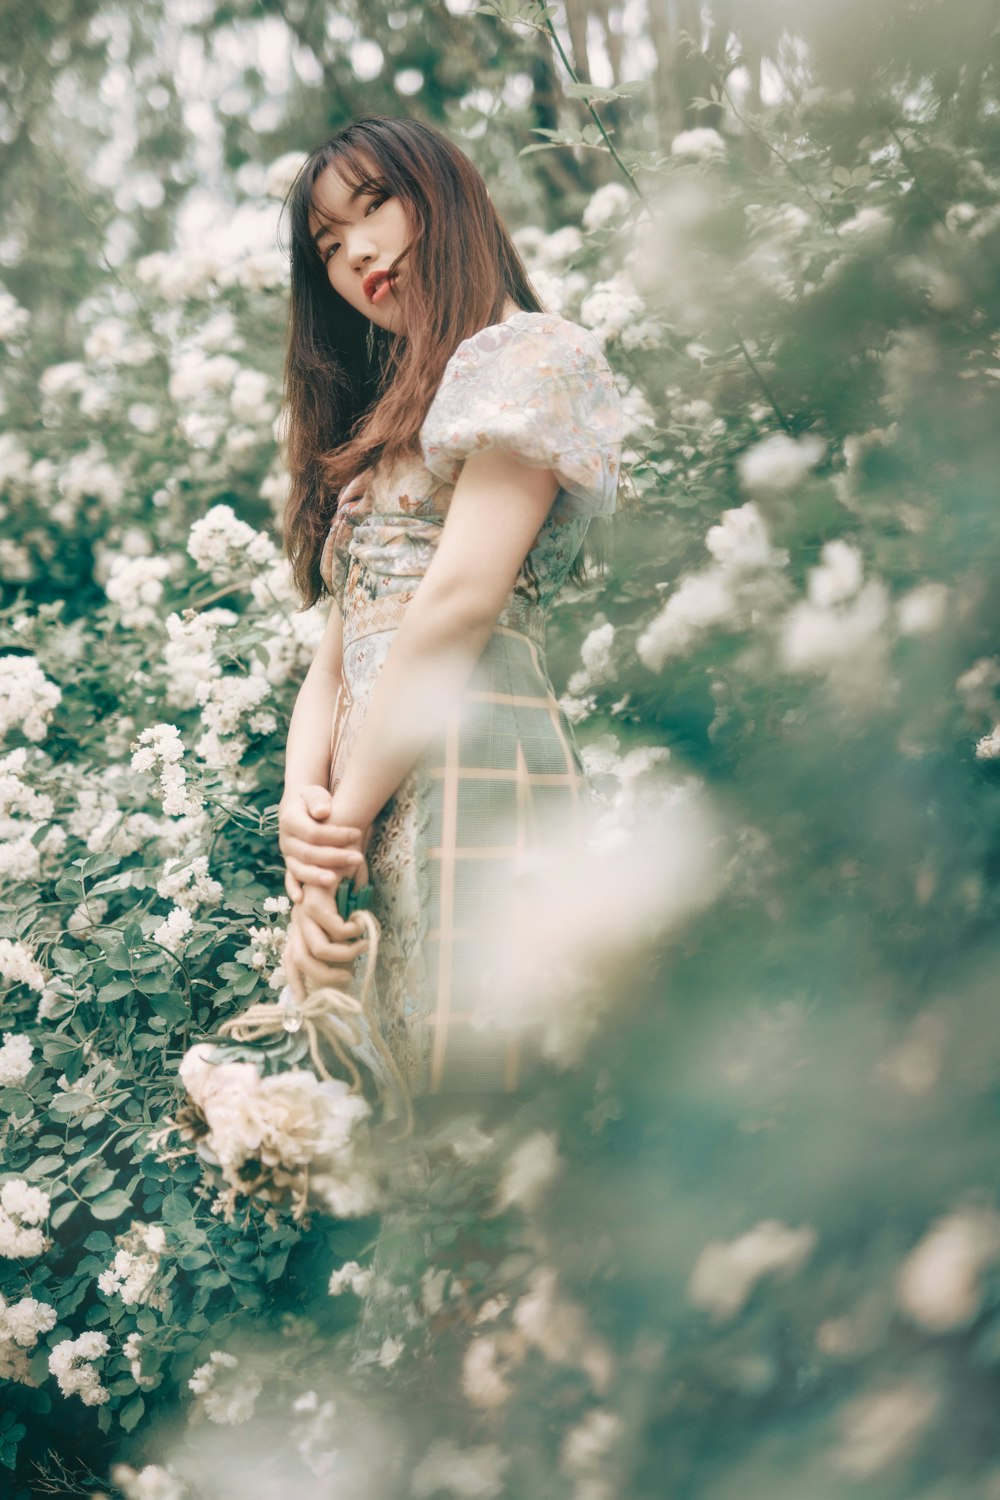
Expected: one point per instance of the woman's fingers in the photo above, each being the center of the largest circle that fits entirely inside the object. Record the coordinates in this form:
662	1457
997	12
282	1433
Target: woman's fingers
322	973
321	906
312	874
326	856
319	946
297	824
293	887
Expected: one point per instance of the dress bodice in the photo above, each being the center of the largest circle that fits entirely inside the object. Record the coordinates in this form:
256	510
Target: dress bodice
537	386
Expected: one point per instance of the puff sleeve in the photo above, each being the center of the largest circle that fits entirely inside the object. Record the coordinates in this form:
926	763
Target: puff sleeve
539	387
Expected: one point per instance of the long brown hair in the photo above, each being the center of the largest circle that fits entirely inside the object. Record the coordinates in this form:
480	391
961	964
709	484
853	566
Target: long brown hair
346	409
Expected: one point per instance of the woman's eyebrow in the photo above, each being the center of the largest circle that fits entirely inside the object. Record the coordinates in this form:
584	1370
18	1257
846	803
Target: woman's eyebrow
333	219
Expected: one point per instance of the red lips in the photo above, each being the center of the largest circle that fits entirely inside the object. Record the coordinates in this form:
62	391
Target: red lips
372	282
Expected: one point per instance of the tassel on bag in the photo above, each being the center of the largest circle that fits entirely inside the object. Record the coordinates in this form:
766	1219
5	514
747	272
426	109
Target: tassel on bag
330	1015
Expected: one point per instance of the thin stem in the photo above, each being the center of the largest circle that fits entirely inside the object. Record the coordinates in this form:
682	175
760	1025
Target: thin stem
759	376
547	26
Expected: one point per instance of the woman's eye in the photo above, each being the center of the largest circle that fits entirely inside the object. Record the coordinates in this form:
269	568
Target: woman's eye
328	252
377	202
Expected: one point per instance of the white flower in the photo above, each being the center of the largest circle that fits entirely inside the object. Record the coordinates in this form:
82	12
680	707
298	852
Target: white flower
151	1482
846	642
739	585
15	461
27	697
282	173
160	749
250	398
988	748
922	609
607	203
288	1122
726	1272
189	884
703	143
596	652
71	1362
870	223
838	576
483	1382
89	475
611	306
880	1426
227	1400
940	1284
586	1444
135	584
560	246
779	462
528	1171
174	930
469	1473
22	1322
15	1058
189	656
351	1277
558	1328
699	601
14	318
29	1204
740	541
219	542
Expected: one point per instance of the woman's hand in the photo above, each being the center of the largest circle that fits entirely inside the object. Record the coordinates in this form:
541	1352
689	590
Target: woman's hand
314	849
321	946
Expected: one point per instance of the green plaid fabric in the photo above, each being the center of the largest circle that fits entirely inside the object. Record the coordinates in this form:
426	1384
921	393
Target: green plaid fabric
505	778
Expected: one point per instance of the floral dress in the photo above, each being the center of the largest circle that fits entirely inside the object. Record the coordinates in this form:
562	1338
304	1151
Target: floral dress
505	771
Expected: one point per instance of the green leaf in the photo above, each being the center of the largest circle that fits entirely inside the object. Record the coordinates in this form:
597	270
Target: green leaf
99	1183
115	989
98	1239
131	1413
111	1205
63	1212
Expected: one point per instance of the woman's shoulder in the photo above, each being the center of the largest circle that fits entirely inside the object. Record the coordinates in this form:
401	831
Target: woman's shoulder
532	336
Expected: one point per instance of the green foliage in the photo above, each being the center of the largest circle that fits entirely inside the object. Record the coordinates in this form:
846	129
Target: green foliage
691	1259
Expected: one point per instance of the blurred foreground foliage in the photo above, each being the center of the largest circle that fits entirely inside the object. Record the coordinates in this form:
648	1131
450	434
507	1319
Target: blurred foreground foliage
745	1239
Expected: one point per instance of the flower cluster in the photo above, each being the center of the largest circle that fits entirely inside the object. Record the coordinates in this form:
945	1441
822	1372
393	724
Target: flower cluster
72	1364
135	584
741	579
135	1265
224	1397
22	1211
15	1058
160	749
188	883
27	698
221	545
21	1323
294	1132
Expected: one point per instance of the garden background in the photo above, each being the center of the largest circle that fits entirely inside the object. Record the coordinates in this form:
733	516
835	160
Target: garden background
744	1238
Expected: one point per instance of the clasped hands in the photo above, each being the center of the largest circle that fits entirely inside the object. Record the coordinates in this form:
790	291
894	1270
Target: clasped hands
318	854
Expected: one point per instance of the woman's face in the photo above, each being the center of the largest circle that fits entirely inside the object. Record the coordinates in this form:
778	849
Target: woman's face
358	233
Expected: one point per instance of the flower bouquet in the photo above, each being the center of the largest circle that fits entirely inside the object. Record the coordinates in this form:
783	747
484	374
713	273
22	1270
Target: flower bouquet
269	1106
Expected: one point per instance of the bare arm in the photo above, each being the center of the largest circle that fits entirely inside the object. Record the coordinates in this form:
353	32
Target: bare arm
496	511
314	846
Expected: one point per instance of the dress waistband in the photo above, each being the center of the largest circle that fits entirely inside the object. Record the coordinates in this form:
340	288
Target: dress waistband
371	616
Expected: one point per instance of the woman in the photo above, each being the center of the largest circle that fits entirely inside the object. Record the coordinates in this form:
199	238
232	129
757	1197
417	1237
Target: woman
467	438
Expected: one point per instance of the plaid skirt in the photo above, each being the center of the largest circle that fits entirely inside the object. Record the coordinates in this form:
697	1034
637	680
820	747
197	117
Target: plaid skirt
502	781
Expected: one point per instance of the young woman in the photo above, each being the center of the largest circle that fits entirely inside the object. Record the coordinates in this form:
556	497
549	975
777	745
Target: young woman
449	443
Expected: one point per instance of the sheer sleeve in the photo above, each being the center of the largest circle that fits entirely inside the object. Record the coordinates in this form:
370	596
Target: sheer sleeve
540	388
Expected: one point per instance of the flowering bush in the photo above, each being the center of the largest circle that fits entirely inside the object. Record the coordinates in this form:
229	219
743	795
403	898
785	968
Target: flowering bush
754	1176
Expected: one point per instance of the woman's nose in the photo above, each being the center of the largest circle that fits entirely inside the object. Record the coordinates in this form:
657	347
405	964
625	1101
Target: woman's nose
361	251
